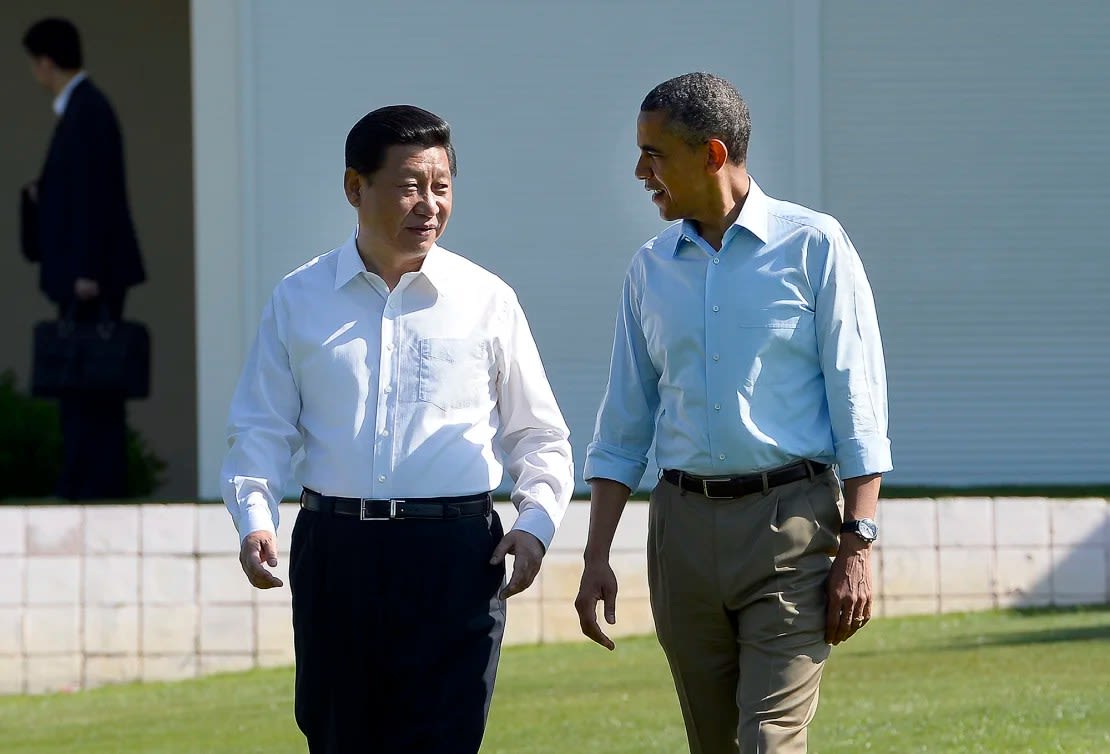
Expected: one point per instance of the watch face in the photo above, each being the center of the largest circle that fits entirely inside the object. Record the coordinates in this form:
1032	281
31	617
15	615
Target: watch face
864	528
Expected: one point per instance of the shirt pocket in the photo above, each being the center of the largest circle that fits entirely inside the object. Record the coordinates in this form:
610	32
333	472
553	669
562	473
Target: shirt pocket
454	372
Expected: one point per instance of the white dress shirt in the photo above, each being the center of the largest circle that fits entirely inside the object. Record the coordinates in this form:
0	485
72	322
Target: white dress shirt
423	391
747	358
62	99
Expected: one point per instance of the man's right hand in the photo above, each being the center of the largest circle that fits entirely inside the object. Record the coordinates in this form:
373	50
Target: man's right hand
599	584
85	289
258	548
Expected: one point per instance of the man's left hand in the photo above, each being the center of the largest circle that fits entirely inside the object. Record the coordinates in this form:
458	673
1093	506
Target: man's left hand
527	552
86	289
849	591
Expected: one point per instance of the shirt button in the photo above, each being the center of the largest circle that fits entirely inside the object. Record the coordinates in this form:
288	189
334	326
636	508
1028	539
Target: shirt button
722	456
716	406
381	477
388	389
716	357
716	260
716	308
385	433
389	346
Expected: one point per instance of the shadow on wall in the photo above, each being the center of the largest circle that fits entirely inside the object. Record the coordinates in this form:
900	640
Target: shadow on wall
139	54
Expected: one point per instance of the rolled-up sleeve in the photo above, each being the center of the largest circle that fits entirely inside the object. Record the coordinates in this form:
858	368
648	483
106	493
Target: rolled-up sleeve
851	356
626	419
532	434
262	431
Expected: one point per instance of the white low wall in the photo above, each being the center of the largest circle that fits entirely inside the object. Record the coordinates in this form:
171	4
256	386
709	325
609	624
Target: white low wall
101	594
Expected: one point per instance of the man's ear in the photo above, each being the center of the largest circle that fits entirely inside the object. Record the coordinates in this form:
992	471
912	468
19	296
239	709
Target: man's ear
352	186
716	155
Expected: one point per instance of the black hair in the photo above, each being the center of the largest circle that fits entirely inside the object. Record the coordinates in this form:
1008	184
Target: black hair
380	129
57	39
701	106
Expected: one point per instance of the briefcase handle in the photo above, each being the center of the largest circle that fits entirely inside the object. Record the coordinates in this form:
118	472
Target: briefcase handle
104	328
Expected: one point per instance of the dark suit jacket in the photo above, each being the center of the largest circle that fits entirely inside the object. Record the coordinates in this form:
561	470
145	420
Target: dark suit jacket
29	226
84	226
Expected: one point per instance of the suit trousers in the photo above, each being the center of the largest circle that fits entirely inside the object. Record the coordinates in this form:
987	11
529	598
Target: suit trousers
94	427
738	593
397	632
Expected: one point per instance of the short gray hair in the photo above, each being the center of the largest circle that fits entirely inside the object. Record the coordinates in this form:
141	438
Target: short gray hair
702	107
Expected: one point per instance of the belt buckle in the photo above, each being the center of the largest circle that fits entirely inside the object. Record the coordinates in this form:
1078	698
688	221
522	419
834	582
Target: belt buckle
716	480
362	516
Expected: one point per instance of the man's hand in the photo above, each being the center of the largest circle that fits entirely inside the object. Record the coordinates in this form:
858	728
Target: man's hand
849	590
599	584
259	547
86	289
527	552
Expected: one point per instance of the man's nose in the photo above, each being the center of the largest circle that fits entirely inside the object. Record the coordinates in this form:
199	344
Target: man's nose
426	207
642	171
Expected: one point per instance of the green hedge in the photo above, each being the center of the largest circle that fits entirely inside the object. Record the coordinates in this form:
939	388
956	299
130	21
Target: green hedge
31	448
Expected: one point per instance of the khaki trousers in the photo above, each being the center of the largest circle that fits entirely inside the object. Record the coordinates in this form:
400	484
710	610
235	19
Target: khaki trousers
738	595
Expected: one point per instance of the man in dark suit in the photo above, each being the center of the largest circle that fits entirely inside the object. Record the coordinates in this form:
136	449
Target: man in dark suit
77	225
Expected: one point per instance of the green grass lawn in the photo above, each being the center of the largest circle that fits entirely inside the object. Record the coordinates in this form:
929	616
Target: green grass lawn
986	682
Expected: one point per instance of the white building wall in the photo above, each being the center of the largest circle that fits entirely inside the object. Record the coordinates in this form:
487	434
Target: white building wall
542	98
965	151
222	282
960	144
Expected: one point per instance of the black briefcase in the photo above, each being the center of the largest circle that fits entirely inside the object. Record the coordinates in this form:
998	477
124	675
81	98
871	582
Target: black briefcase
90	357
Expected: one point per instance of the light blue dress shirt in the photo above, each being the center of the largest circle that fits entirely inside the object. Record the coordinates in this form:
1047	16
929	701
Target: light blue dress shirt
745	359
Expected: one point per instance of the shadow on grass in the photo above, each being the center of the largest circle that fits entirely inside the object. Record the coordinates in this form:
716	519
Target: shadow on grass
1047	636
966	632
1033	612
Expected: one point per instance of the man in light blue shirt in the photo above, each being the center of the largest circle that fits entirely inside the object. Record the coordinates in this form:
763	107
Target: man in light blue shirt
747	347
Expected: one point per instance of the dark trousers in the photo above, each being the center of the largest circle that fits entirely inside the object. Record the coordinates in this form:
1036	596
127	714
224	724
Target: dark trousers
94	427
397	632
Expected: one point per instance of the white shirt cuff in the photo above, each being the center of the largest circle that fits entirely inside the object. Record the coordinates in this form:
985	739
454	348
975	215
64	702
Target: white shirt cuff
255	517
536	522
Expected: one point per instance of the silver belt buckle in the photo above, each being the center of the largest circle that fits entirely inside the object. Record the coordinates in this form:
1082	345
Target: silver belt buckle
362	515
705	488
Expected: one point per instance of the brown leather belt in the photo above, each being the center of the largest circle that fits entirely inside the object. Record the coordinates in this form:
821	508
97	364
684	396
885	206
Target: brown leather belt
428	508
729	487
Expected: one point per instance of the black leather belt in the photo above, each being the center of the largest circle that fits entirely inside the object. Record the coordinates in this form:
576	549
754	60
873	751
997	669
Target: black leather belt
729	487
367	509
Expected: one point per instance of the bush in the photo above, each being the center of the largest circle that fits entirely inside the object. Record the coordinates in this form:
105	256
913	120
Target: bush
31	448
144	468
30	443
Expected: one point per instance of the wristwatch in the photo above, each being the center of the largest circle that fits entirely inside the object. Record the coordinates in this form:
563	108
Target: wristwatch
864	528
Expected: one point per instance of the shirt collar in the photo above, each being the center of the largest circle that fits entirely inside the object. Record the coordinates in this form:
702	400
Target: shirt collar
350	265
436	268
62	99
753	217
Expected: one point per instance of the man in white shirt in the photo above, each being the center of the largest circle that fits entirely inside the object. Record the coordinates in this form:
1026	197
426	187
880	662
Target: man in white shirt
408	376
